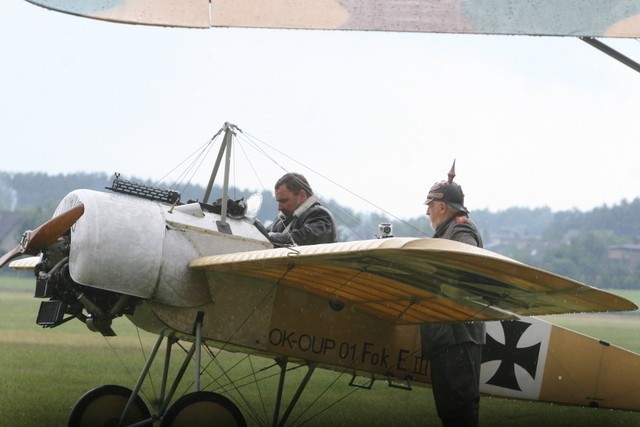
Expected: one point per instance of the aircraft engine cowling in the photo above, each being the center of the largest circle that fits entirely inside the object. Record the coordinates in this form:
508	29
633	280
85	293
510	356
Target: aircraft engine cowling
142	248
117	244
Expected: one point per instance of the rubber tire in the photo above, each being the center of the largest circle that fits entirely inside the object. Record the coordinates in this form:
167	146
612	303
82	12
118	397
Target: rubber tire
103	406
203	408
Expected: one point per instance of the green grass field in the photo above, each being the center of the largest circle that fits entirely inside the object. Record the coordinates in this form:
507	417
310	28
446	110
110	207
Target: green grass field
43	372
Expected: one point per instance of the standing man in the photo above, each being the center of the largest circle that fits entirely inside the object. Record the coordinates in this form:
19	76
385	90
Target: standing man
303	220
454	350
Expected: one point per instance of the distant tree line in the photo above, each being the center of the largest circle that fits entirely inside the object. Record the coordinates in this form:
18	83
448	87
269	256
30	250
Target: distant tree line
570	243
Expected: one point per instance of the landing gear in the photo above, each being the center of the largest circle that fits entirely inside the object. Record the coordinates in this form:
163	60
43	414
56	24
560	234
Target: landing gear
103	407
114	406
200	408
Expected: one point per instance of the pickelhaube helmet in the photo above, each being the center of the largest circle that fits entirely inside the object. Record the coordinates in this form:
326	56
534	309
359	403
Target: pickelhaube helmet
448	192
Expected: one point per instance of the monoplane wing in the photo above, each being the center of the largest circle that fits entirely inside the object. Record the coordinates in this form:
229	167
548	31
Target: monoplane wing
410	281
586	18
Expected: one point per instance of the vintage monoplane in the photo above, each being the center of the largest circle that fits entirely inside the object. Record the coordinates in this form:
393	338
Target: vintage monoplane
205	273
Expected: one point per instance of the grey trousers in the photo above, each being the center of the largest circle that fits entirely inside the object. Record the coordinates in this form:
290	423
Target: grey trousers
455	376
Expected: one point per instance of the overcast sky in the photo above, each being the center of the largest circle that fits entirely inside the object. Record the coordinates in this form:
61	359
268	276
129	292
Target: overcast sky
532	121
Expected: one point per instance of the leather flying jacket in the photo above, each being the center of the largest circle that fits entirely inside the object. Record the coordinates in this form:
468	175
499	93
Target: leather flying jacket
310	224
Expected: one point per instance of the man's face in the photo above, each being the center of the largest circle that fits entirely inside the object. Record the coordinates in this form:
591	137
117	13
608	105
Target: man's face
437	213
288	201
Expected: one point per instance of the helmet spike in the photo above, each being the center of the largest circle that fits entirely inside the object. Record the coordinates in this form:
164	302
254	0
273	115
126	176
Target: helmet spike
448	192
452	172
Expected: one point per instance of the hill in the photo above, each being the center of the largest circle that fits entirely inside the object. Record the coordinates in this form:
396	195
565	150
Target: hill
598	247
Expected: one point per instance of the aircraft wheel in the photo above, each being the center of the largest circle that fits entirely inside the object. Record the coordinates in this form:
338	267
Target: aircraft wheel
103	407
203	408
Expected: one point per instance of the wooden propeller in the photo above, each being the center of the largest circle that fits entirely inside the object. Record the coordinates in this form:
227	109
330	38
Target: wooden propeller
33	241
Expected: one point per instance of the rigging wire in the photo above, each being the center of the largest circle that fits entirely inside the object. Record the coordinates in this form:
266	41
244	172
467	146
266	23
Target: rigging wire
124	365
222	388
335	206
199	155
334	183
230	381
131	375
251	165
343	215
258	389
144	355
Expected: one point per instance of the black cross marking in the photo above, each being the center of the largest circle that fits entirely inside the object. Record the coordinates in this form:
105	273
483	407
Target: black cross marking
509	355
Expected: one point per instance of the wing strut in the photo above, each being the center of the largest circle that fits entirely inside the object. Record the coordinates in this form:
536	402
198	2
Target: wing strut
612	52
282	362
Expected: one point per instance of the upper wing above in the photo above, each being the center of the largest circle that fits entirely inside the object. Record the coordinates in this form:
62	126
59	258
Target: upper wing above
409	281
594	18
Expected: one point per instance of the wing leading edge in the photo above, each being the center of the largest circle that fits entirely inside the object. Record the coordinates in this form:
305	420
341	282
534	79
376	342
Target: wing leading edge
411	281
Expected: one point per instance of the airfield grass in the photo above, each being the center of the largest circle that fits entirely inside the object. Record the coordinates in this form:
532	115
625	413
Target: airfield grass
44	372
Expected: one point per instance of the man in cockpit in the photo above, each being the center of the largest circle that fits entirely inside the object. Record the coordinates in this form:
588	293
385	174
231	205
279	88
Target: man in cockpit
454	350
302	220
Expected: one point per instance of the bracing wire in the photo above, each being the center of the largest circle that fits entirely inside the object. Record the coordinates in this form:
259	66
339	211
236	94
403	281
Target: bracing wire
329	202
251	166
196	153
324	177
332	182
126	367
122	362
196	159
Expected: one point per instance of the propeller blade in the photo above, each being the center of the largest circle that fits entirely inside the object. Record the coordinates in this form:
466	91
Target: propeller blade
45	235
50	231
17	251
